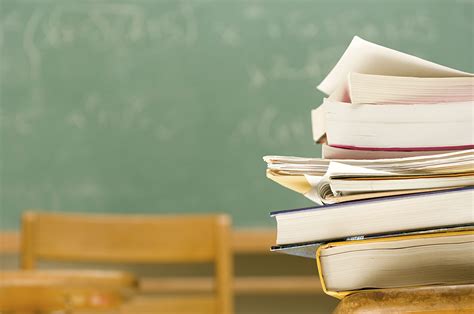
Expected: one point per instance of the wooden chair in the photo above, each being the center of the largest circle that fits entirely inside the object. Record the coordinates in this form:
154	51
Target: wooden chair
137	239
434	299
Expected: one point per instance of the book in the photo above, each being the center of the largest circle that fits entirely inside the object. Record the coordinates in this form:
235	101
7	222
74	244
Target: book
330	152
396	179
308	249
391	214
334	181
415	127
381	89
364	57
444	258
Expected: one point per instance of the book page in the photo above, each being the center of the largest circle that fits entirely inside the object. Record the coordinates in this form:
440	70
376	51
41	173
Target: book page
368	58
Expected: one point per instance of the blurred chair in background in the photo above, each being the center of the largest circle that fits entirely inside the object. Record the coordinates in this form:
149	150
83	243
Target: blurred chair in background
184	239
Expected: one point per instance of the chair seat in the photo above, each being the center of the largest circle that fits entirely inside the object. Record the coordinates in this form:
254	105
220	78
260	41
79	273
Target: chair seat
55	290
434	299
201	304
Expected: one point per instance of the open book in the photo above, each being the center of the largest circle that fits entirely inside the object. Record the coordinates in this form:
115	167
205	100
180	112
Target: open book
333	181
353	77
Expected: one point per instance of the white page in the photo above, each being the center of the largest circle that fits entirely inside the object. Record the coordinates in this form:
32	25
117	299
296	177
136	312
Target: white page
368	58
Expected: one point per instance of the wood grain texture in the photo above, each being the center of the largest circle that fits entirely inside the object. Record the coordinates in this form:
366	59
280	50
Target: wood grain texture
435	299
224	268
124	238
154	239
244	241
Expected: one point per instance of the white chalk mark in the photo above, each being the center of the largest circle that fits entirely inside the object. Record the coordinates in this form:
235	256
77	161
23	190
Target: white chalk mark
230	36
257	78
137	24
253	12
297	129
191	28
102	25
33	53
137	105
52	27
266	121
76	119
174	27
282	134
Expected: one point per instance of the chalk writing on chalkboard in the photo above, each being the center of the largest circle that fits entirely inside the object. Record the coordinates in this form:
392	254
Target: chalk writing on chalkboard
123	105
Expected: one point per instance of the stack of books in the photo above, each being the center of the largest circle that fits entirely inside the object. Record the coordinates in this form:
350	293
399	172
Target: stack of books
395	184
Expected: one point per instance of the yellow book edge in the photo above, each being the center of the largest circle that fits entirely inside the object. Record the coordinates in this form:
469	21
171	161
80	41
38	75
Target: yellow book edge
342	294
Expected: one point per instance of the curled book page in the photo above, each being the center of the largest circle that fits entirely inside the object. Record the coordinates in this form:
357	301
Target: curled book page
368	58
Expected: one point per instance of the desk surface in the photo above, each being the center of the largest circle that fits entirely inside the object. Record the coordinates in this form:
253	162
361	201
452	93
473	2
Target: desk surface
434	299
49	290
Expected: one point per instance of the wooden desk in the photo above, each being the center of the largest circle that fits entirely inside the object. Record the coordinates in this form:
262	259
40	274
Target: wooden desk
435	299
62	290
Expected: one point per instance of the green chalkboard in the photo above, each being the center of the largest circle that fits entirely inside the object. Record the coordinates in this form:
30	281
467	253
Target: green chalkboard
168	106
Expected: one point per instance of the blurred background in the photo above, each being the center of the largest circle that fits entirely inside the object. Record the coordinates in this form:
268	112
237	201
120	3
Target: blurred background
168	106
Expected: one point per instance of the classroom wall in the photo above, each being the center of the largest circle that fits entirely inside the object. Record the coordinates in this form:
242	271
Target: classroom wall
168	106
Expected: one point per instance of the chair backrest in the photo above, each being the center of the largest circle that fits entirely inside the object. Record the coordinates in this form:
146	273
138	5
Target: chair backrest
134	239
